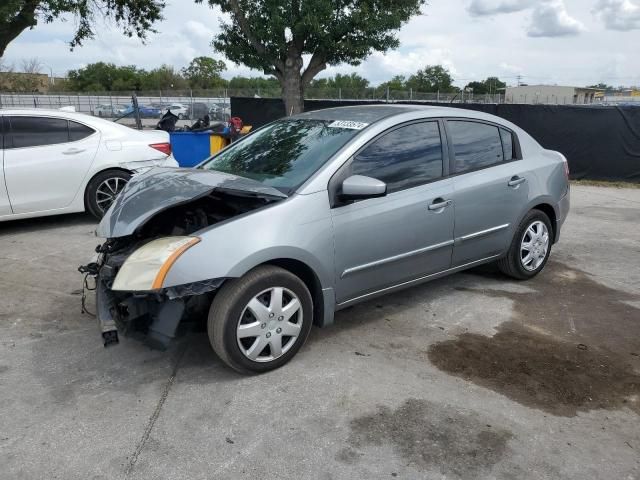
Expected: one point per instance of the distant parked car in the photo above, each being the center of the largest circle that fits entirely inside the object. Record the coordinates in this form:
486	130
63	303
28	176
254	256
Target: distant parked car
320	211
110	111
197	110
59	162
145	112
178	109
219	112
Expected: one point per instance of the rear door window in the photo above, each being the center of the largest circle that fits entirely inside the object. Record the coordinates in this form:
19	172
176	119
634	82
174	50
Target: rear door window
403	158
475	145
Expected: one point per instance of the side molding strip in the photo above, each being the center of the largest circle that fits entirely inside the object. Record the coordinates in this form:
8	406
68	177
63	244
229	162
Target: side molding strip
488	231
413	282
402	256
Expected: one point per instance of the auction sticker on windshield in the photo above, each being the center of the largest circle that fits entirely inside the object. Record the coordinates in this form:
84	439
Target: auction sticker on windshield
348	124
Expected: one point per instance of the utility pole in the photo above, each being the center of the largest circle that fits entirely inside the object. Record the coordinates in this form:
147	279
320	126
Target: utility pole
519	77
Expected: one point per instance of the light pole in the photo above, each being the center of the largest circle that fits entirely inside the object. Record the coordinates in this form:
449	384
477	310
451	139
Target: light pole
51	74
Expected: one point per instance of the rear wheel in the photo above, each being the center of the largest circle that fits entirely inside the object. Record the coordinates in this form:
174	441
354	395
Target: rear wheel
259	322
530	247
103	190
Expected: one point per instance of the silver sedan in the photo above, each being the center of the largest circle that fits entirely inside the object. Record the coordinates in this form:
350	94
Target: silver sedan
317	212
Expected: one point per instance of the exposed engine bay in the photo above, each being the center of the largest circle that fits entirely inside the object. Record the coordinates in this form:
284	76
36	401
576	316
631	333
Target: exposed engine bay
156	314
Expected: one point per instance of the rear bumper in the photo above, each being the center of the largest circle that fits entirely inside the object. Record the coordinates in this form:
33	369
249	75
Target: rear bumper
564	205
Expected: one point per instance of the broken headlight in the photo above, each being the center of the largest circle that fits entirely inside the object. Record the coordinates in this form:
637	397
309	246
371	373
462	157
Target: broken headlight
147	267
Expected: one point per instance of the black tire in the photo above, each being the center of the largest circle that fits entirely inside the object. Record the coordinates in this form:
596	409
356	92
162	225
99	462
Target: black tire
512	264
229	304
90	195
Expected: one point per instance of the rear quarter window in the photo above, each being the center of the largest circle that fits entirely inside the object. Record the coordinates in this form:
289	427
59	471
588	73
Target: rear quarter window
78	131
508	145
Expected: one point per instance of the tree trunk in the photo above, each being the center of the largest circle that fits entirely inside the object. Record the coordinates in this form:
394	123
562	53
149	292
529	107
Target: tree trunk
292	87
25	18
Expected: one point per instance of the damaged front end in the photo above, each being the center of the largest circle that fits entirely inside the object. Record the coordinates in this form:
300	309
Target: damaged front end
143	244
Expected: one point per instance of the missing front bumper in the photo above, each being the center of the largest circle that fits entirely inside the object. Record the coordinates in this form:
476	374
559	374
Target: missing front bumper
153	317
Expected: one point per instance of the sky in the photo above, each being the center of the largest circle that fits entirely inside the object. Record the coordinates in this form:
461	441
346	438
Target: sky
564	42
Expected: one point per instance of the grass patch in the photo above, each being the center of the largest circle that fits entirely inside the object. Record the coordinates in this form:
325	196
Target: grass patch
605	183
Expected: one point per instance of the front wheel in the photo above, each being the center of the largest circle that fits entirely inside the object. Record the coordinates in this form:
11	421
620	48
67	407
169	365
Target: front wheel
259	322
530	247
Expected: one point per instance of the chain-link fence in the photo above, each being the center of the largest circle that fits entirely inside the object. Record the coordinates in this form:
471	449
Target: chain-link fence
190	102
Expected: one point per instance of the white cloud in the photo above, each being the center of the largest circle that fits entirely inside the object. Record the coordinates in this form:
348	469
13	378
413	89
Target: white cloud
491	7
551	19
622	15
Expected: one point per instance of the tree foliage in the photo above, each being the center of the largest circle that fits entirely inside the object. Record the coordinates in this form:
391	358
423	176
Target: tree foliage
351	81
254	83
433	78
204	72
134	17
399	82
273	36
602	86
491	85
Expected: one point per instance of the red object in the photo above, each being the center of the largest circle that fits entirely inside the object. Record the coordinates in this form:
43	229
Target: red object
162	147
236	124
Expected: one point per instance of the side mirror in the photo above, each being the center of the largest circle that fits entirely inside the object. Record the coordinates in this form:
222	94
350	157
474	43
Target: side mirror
358	187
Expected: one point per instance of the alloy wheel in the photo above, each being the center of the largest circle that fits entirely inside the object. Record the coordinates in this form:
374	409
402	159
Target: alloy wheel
269	324
534	246
107	192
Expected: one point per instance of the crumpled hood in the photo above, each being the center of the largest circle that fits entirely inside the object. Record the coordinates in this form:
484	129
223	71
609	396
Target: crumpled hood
152	192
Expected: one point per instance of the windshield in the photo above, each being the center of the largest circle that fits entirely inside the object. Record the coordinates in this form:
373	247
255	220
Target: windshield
284	154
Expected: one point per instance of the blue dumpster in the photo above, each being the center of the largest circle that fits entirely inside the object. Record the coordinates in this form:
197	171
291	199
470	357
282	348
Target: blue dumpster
190	148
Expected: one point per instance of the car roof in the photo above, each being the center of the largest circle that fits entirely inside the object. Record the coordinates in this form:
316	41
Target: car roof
44	112
374	113
94	122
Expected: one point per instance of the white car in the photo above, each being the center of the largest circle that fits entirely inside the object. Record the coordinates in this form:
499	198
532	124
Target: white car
178	109
111	111
60	162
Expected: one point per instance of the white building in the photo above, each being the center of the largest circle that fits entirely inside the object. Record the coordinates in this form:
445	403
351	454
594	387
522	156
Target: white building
553	95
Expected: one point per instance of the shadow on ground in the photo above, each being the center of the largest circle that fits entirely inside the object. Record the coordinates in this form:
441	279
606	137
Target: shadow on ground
46	223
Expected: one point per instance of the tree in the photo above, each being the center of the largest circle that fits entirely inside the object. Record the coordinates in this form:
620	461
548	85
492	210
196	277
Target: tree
273	36
347	85
433	78
163	78
491	85
100	77
204	72
602	86
135	17
253	83
399	82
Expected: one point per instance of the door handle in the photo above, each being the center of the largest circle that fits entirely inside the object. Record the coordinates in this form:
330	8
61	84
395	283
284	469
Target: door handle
73	151
439	204
515	181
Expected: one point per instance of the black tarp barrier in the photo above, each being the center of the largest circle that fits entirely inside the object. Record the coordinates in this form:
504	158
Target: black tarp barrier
601	143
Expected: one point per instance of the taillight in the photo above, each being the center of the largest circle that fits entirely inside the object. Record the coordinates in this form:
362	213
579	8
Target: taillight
162	147
566	167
